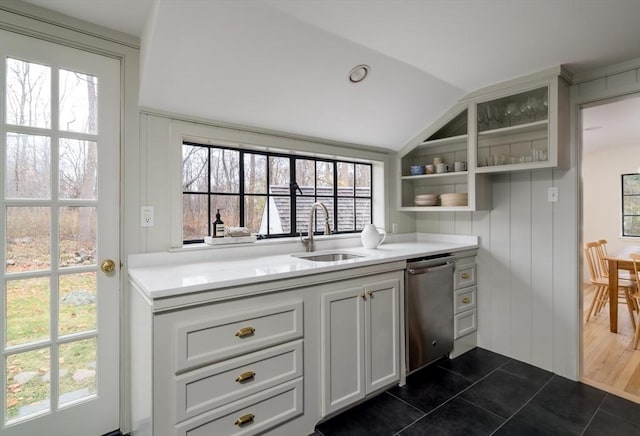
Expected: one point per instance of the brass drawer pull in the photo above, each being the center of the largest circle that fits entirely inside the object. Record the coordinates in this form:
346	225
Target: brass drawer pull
466	300
245	419
465	275
370	293
245	376
245	331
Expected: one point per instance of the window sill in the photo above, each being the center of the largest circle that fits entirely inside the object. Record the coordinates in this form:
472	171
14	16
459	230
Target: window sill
279	242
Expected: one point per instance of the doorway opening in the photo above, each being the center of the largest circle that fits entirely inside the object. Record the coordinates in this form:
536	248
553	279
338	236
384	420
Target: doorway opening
610	148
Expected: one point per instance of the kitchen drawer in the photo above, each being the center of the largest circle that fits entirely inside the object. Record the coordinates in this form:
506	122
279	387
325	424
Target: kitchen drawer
464	299
464	275
261	411
465	323
215	385
211	341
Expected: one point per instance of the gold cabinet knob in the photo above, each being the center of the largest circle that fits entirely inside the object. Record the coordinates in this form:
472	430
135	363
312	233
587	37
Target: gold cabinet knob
245	331
245	419
370	293
245	376
465	275
466	300
108	266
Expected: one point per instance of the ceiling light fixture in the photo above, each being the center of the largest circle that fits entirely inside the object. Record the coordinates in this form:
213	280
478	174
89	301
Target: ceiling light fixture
358	73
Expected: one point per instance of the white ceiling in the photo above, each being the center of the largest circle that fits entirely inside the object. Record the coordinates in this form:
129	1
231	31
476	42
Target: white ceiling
283	65
610	124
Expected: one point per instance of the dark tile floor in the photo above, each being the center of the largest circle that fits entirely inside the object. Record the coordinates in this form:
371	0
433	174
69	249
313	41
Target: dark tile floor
484	393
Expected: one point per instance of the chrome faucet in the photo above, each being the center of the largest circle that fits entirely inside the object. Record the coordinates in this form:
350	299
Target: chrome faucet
308	241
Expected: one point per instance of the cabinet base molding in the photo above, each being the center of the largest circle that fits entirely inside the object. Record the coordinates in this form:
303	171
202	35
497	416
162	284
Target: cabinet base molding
464	344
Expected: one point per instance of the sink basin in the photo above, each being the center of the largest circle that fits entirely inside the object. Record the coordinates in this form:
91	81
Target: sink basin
327	257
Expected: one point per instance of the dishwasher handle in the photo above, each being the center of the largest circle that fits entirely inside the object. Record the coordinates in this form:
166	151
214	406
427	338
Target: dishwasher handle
417	271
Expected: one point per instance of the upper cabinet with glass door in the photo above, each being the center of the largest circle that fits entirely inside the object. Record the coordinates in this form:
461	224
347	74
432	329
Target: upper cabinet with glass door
522	124
523	127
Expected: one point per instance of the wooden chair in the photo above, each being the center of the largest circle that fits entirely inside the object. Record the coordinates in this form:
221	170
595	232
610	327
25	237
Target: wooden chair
636	297
602	253
601	295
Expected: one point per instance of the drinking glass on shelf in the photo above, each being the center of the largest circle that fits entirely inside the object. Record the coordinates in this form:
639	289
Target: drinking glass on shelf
538	155
483	121
509	114
496	120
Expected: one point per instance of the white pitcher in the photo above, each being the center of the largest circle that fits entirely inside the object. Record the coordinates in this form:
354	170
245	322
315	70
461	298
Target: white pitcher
370	236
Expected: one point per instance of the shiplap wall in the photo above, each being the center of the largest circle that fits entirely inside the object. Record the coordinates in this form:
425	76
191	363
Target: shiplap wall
515	266
529	262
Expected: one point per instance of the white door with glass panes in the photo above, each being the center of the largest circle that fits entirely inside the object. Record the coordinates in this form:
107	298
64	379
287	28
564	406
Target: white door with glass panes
60	239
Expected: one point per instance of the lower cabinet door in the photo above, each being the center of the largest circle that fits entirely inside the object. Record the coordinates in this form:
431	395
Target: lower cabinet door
382	334
360	342
465	323
253	415
342	348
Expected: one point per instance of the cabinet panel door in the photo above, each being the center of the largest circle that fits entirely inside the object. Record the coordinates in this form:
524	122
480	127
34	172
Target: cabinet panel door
342	343
382	334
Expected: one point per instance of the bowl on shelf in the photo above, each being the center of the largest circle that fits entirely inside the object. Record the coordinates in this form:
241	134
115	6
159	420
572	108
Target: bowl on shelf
417	170
426	200
454	199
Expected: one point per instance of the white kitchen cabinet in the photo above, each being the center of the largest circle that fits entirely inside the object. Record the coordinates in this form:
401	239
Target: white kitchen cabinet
523	127
360	336
234	367
522	124
247	360
464	297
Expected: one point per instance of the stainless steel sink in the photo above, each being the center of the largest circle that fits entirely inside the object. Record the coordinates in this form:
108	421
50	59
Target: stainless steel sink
327	257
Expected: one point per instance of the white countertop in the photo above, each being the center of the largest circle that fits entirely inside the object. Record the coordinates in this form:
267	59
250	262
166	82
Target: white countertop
162	275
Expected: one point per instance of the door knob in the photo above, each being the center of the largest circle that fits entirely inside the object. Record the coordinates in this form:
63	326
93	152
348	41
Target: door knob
107	266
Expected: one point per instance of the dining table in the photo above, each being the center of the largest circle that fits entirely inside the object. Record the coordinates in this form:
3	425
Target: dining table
617	260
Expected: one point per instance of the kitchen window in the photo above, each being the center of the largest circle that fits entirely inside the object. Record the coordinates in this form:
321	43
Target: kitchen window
631	204
270	193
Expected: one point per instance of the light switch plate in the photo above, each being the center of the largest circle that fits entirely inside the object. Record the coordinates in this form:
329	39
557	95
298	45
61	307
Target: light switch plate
146	216
552	194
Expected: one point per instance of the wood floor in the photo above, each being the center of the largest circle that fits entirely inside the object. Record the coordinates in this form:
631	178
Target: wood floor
609	361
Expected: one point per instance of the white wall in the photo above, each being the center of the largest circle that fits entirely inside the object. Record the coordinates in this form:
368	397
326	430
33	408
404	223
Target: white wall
601	194
529	272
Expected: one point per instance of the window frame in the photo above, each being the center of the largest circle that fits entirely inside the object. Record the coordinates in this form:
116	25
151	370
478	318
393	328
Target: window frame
294	190
622	211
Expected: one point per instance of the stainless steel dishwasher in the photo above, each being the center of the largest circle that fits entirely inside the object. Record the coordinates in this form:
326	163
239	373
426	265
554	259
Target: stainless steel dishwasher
429	309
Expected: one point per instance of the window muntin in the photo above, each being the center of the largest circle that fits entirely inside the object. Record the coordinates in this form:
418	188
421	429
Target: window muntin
631	205
270	193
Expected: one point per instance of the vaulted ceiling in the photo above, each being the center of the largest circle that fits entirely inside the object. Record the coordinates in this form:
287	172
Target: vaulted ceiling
284	64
